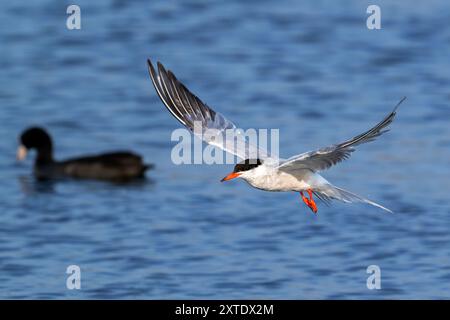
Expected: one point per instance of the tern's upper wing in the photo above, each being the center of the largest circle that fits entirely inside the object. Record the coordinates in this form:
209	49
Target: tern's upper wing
326	157
189	109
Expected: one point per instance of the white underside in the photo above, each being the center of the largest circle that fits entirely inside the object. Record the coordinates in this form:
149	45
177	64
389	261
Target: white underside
272	179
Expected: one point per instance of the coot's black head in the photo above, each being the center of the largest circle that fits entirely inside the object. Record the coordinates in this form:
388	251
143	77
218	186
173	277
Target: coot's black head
243	166
35	138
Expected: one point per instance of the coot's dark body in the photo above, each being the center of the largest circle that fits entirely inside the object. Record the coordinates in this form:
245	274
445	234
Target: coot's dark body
108	166
117	166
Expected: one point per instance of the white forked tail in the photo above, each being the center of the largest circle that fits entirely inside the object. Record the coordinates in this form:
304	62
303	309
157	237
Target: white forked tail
334	192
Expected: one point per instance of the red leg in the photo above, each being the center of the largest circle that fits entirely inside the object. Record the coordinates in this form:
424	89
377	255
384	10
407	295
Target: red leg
305	199
312	203
309	202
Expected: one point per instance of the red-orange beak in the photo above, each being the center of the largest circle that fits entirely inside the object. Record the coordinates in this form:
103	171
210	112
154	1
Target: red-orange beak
230	176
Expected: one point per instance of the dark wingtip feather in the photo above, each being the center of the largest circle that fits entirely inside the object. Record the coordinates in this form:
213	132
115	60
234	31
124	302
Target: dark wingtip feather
150	67
398	104
161	67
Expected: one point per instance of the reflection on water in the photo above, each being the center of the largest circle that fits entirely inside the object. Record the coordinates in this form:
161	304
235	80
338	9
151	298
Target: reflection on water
29	185
313	71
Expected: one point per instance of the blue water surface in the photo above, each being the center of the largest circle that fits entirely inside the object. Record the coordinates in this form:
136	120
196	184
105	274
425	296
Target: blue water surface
310	68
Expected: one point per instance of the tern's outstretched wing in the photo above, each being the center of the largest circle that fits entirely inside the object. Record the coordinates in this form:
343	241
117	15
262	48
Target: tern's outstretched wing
190	110
326	157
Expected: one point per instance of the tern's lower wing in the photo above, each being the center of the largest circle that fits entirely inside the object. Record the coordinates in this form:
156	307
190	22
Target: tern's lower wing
329	192
326	157
212	127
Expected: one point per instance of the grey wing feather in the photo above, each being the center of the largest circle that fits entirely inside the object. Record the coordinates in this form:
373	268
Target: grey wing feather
323	197
329	192
326	157
187	108
184	105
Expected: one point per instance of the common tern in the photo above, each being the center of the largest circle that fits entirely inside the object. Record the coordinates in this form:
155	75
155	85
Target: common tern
299	173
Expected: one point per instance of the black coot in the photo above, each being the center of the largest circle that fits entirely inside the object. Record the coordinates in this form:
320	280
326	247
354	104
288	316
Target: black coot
118	166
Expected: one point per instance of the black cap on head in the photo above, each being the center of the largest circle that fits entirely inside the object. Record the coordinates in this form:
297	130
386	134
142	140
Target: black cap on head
246	165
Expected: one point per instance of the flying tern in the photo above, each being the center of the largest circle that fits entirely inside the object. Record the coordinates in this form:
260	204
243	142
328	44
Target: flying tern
299	173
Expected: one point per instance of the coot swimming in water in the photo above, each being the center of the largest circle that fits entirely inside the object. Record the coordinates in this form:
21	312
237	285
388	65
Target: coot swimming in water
117	166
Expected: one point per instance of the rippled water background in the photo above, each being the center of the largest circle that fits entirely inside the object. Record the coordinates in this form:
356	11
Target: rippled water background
310	68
